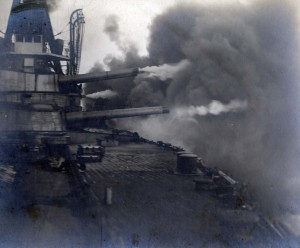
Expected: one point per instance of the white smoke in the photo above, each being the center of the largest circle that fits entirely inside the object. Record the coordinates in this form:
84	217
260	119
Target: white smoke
166	71
214	108
106	94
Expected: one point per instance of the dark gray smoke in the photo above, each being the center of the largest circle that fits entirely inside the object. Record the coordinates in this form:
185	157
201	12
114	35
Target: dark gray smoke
235	53
52	4
111	28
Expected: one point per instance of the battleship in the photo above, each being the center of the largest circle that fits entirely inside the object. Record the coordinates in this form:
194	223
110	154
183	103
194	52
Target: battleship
65	183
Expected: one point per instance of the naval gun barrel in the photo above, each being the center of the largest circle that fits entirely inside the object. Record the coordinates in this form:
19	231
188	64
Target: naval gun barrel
115	113
98	76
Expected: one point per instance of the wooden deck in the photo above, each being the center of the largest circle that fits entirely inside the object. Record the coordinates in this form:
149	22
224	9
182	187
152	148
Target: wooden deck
152	207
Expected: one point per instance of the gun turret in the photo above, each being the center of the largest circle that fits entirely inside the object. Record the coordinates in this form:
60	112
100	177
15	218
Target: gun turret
99	76
115	113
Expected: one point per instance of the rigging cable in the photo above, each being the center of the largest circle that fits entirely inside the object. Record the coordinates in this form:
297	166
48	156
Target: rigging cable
63	30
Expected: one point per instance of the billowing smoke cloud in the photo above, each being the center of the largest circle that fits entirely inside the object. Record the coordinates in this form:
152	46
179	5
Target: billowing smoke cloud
106	94
112	29
233	52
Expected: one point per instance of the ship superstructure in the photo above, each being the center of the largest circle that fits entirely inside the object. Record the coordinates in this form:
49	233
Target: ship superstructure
134	192
39	83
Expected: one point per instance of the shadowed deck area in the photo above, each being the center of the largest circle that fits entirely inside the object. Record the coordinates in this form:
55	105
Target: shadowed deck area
151	207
